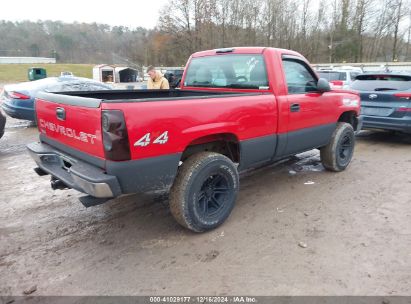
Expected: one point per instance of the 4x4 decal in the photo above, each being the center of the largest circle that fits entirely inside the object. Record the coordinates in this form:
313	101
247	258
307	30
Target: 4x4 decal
146	140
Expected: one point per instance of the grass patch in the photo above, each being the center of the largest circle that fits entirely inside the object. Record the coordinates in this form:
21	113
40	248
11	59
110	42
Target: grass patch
10	73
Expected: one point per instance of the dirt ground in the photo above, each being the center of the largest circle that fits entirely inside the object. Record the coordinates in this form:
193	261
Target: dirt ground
356	226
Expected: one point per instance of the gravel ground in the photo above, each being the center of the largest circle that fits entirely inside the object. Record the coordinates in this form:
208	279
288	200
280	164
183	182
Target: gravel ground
296	230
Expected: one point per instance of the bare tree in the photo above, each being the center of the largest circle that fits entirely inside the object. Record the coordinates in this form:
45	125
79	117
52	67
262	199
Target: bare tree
322	30
398	13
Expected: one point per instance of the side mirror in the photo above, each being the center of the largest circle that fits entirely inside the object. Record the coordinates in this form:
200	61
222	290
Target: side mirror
323	85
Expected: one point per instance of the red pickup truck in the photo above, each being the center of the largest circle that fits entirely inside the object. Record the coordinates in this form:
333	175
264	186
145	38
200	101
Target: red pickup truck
236	109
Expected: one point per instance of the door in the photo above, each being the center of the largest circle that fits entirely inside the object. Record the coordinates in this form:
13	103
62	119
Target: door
310	112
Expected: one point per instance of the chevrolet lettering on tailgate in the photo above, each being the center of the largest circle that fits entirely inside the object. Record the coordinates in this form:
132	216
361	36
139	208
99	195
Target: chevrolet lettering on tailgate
69	132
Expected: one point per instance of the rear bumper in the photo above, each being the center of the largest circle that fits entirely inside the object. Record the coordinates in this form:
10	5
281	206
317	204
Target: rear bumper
74	173
386	123
18	112
85	173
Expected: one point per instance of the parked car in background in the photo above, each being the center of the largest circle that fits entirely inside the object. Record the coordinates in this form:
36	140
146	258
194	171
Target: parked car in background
2	123
339	79
174	77
401	72
385	101
18	99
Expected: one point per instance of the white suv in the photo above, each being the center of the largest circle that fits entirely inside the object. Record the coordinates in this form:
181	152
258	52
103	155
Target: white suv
339	78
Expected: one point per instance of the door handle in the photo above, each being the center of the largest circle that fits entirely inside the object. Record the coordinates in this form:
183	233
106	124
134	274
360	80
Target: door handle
295	107
61	114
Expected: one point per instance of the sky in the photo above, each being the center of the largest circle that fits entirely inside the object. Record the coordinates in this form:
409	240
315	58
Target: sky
131	13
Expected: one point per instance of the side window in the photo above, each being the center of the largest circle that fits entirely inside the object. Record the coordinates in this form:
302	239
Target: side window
299	78
353	75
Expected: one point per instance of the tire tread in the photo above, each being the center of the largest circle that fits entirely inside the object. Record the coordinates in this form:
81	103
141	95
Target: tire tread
178	204
328	152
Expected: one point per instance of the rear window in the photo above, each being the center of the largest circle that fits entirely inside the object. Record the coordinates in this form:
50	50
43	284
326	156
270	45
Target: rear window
332	75
382	83
227	71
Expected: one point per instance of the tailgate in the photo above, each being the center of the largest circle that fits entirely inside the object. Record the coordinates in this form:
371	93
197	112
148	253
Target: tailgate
75	124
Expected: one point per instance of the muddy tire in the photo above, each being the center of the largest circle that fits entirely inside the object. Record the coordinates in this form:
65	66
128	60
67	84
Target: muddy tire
204	191
2	124
336	156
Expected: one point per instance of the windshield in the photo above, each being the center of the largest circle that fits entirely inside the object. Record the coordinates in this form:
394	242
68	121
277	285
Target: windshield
227	71
332	75
381	83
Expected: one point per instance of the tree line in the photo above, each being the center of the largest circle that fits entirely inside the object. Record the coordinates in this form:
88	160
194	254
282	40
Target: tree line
74	42
322	30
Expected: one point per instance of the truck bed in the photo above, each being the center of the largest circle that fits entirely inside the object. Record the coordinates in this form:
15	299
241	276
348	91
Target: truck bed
93	99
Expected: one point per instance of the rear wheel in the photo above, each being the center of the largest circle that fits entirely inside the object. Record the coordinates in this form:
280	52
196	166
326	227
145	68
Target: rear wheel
204	192
337	155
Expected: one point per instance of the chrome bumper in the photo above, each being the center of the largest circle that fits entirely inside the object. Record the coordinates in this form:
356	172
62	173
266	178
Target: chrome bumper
73	172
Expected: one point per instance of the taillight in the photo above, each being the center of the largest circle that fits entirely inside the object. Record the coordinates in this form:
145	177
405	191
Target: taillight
403	95
115	136
404	109
17	95
337	82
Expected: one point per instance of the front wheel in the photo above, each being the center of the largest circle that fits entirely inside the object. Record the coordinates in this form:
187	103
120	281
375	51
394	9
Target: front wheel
204	192
337	155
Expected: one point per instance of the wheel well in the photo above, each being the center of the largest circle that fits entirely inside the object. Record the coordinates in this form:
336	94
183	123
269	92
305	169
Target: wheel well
349	117
226	144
